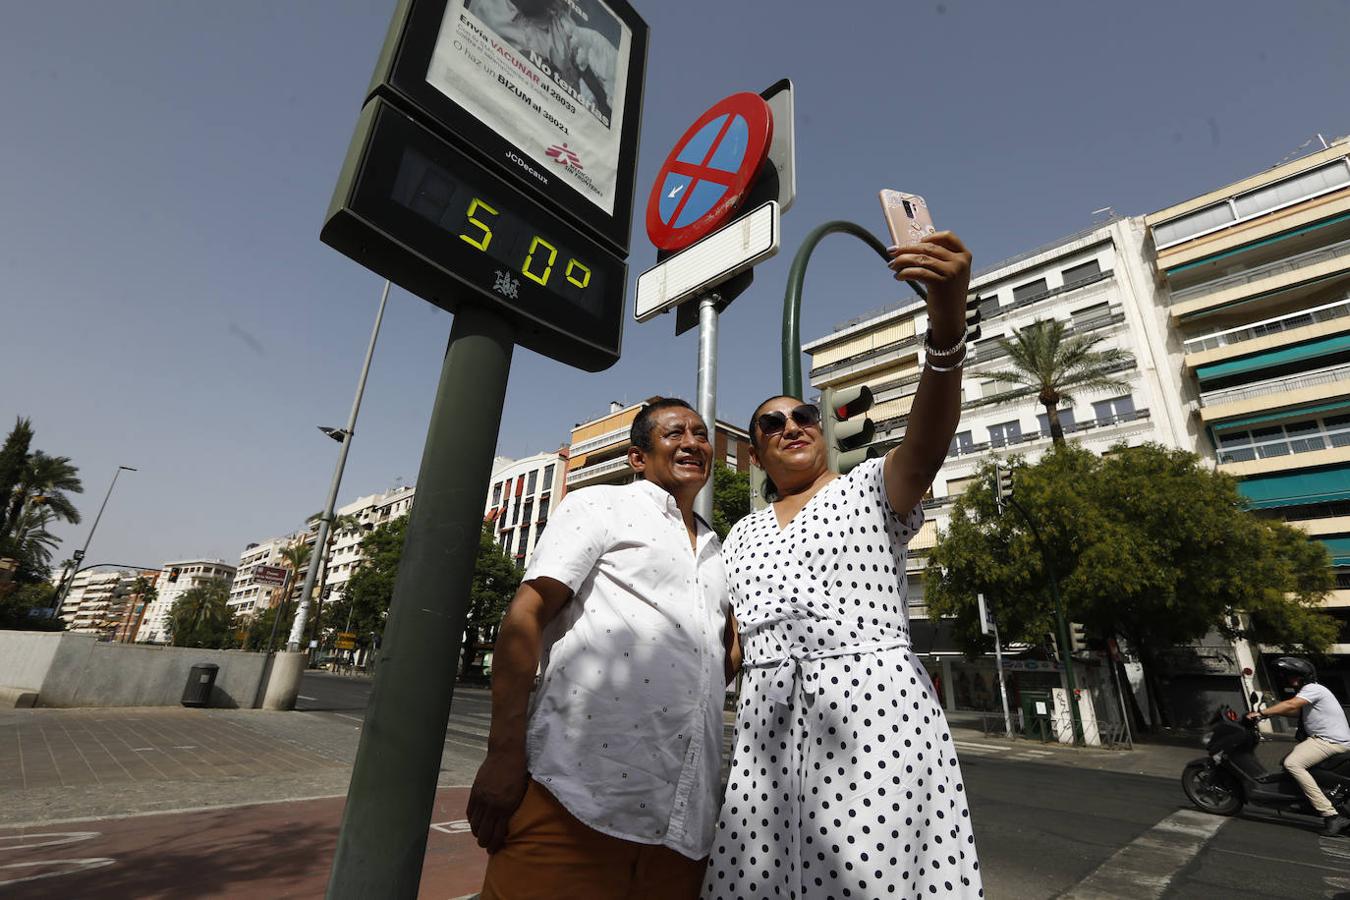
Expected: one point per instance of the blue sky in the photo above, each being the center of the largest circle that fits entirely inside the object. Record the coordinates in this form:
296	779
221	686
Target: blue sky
165	302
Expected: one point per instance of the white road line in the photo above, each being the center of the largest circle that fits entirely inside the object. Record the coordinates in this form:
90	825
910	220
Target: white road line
970	745
303	697
1143	868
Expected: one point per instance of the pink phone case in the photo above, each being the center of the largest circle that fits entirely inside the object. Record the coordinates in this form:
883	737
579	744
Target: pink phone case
907	217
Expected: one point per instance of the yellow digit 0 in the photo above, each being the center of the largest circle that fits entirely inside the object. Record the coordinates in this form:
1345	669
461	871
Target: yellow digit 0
529	260
585	274
480	243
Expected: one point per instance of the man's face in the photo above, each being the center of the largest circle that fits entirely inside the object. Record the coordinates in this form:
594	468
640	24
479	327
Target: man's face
681	456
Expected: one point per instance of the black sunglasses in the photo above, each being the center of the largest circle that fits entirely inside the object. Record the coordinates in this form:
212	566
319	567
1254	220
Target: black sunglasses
806	416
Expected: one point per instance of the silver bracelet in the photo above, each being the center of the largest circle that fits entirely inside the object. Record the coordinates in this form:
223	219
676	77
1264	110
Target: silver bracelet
944	369
954	349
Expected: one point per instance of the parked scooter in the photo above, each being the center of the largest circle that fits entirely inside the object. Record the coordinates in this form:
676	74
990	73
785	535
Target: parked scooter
1231	776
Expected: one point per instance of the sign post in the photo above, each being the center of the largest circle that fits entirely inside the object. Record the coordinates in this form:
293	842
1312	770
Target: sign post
717	165
491	174
988	625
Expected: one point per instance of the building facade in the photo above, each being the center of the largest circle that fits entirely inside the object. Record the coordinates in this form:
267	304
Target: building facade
1099	281
247	596
175	579
1257	281
103	602
364	515
519	499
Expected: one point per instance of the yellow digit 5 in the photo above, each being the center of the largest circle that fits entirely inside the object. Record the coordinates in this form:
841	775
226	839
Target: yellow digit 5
529	259
480	243
585	274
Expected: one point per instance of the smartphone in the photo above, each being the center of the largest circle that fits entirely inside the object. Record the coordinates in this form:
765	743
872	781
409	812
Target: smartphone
907	217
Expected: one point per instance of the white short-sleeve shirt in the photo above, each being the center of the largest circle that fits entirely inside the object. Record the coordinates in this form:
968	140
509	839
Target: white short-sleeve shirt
1323	717
626	727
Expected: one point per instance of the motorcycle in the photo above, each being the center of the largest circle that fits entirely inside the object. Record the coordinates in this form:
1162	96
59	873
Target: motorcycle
1231	777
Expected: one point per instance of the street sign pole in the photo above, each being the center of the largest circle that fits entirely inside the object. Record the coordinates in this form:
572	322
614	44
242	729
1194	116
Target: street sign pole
707	391
989	624
393	787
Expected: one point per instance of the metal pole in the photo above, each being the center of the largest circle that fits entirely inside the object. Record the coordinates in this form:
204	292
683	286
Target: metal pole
707	391
792	297
61	598
1002	683
326	520
1124	714
393	787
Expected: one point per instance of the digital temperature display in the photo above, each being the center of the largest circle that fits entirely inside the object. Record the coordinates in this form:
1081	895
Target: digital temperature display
430	216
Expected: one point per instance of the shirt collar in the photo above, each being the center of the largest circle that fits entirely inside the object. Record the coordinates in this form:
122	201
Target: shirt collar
666	501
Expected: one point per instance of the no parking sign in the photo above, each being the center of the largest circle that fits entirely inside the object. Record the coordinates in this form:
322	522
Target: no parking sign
704	180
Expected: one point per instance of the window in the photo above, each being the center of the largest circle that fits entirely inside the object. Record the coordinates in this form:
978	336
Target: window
529	511
524	543
506	542
1302	185
1270	442
1116	409
1027	291
1305	436
957	486
989	307
1083	272
1004	434
961	444
548	477
1190	225
1338	429
1091	316
543	510
529	485
1065	421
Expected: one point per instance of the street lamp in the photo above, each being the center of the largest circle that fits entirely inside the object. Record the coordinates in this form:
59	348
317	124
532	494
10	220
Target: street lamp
79	555
344	437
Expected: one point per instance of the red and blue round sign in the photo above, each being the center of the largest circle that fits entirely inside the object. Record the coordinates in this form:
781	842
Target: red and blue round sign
705	178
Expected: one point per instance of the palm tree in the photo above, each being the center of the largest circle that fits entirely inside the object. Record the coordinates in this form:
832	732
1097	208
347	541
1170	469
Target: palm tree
341	523
30	542
296	558
13	458
46	480
1051	361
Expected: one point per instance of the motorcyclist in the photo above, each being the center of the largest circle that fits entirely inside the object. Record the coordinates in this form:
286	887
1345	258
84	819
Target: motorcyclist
1324	723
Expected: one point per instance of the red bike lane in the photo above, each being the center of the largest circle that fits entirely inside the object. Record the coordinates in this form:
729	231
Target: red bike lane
268	850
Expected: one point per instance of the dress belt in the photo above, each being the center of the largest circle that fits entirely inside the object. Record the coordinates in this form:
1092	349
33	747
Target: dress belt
791	673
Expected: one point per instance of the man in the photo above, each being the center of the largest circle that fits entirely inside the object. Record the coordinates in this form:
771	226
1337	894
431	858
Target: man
605	783
1327	732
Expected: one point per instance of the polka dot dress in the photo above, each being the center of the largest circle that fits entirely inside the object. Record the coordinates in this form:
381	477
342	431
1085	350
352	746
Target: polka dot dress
844	780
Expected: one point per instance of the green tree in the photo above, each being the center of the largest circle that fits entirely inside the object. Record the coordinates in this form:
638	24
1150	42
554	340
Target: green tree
46	481
17	603
1148	544
1047	359
254	632
731	497
13	459
495	579
31	544
202	616
365	599
341	524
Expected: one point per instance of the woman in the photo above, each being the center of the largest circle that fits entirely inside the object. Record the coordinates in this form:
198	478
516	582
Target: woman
844	781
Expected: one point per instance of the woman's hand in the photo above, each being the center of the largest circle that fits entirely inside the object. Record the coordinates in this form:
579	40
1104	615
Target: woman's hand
942	264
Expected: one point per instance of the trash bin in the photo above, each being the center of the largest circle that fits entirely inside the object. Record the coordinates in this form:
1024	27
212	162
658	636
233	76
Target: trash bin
197	691
1037	709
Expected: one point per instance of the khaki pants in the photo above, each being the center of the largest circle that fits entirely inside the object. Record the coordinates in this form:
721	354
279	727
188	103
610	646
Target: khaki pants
550	855
1307	754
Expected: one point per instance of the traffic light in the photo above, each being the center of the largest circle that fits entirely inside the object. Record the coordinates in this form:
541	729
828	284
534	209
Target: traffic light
1078	640
174	573
973	318
846	428
1003	487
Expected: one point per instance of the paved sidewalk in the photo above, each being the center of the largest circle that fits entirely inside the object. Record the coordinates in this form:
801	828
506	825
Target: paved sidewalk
276	850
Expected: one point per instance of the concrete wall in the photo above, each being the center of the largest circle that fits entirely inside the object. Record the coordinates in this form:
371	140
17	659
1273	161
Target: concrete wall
78	670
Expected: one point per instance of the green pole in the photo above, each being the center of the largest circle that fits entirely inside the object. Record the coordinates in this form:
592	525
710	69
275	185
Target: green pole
1060	624
393	786
792	299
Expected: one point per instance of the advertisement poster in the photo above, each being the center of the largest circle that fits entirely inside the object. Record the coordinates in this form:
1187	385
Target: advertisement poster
548	75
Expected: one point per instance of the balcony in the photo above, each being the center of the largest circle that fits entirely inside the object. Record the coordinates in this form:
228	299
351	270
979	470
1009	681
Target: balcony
592	444
1340	250
1289	322
1078	428
1335	375
598	472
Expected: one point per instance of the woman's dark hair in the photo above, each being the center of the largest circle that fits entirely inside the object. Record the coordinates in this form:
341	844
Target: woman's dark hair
640	435
770	489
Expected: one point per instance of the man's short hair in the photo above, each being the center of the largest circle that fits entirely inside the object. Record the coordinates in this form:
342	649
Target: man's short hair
640	435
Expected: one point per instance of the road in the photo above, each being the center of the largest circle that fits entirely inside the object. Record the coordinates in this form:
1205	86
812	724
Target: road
214	810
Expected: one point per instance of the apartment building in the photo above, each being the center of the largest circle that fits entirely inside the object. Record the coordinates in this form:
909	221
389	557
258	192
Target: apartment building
175	579
522	492
100	602
598	452
246	595
1100	282
1257	280
369	513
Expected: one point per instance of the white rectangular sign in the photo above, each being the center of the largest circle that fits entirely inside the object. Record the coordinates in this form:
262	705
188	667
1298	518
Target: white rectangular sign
986	620
726	252
551	76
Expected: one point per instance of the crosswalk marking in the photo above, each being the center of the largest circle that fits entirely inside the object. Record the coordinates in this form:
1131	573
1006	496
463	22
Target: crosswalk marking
1143	868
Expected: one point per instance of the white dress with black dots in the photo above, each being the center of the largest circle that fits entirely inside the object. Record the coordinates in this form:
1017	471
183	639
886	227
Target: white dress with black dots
844	782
